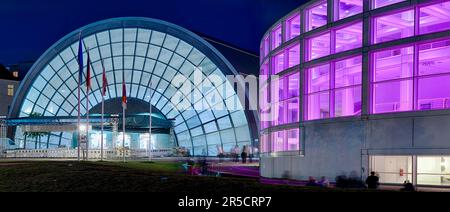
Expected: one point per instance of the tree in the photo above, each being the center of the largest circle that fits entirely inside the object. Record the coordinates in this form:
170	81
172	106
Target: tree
35	135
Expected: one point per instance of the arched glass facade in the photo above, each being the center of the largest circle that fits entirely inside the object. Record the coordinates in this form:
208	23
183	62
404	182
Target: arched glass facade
335	60
150	53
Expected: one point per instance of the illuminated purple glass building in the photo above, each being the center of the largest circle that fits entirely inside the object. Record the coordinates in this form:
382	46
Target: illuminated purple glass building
354	86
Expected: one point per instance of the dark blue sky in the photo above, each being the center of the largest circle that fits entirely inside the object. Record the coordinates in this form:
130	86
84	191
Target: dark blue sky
29	27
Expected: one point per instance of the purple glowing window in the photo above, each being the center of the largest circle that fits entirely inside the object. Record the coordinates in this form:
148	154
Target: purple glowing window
348	72
434	92
286	104
264	73
264	144
318	78
347	101
389	93
434	58
325	99
349	37
264	105
278	142
293	27
347	85
293	111
294	56
317	16
393	96
382	3
277	37
318	46
286	140
348	8
293	86
293	140
318	106
281	86
434	76
434	18
394	26
393	64
266	45
397	82
278	115
278	63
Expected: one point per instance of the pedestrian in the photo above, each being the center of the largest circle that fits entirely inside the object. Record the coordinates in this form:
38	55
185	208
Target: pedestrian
372	181
244	155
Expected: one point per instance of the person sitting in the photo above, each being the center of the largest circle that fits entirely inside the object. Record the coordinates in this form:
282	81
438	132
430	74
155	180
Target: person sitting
372	181
408	186
324	182
312	182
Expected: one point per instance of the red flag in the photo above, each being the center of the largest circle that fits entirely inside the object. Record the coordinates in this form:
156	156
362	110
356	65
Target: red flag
88	74
124	95
105	81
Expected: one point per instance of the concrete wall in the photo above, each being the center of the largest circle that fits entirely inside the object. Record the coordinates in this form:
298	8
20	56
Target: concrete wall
6	100
344	147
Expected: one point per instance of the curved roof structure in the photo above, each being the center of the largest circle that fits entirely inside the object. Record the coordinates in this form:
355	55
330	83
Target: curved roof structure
149	53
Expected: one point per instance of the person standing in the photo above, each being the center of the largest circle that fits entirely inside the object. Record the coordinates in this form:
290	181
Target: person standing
244	155
372	181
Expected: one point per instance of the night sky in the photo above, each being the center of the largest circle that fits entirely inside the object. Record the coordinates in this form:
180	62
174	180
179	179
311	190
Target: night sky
29	27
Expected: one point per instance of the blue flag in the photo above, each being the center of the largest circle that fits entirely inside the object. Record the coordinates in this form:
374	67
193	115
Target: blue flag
80	60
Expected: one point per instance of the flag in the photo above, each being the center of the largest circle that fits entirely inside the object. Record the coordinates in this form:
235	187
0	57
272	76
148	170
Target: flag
80	60
124	95
105	81
88	73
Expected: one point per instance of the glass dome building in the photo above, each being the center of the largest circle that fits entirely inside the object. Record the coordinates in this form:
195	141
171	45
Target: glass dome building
146	54
354	86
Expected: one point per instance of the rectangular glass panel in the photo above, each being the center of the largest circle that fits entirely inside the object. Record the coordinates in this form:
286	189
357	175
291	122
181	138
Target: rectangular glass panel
294	56
318	46
293	89
349	37
264	144
394	26
278	63
434	92
266	46
393	96
393	64
433	170
382	3
318	78
293	140
277	37
293	27
347	101
348	8
278	141
392	169
318	106
434	18
293	110
317	15
348	72
434	58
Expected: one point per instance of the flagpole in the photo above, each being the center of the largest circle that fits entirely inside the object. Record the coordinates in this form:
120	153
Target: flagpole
124	104
150	126
104	85
123	126
103	121
88	86
80	61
